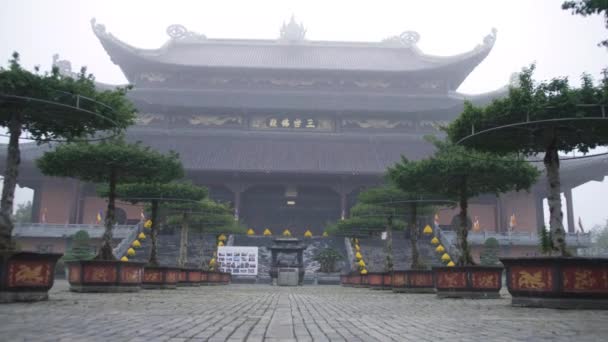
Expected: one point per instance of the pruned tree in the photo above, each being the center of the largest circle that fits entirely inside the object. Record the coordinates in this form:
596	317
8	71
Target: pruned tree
50	107
540	118
81	247
459	174
206	216
158	194
113	162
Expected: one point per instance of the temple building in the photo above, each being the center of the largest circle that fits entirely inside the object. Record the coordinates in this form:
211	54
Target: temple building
290	130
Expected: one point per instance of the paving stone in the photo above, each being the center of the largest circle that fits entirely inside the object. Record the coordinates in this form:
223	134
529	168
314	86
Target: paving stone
309	313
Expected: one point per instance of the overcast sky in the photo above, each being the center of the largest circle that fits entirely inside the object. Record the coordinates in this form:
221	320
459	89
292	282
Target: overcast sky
528	31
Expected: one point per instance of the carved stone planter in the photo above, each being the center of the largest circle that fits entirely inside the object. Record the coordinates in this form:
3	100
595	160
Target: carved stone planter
344	279
479	282
363	281
225	278
376	280
189	277
26	277
160	277
105	276
413	281
204	277
388	281
354	279
558	282
214	278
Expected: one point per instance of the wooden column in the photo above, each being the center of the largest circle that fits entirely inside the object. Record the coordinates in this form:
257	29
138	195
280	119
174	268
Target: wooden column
569	210
237	204
342	205
499	213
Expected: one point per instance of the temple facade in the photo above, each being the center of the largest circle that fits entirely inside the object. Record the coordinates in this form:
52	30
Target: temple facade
290	130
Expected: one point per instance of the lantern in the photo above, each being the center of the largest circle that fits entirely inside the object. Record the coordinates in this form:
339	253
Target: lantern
440	249
451	264
136	244
148	224
308	234
250	232
435	241
130	252
141	236
124	258
445	257
267	232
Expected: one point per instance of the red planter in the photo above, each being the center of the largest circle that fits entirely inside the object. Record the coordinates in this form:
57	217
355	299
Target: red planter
225	278
413	281
105	276
355	279
189	277
160	277
26	277
364	282
344	279
558	282
388	281
376	280
468	281
204	277
214	278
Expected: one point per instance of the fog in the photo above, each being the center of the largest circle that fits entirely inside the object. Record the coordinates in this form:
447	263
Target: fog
528	31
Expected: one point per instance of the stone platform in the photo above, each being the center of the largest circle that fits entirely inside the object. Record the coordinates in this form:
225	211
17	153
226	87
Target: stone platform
304	313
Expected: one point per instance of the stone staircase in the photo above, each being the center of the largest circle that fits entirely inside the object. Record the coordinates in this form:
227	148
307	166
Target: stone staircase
168	248
374	253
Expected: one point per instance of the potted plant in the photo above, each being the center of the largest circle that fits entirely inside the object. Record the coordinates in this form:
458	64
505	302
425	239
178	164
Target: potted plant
539	118
202	216
459	174
327	259
156	195
115	162
49	107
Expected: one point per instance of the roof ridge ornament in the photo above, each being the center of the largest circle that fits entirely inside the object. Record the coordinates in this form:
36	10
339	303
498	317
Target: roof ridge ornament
491	38
292	31
179	32
405	39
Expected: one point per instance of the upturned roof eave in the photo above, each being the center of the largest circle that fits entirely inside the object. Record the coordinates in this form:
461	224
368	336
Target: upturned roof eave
126	55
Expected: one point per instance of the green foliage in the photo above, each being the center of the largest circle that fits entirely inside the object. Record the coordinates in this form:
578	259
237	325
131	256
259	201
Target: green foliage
23	214
81	247
128	163
207	216
178	194
44	121
545	241
589	7
489	255
457	173
327	259
534	101
600	236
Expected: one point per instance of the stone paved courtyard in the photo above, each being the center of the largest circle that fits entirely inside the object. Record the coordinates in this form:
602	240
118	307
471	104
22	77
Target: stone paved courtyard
309	313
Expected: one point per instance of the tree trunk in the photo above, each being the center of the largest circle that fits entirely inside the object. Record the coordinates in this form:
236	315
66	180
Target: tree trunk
414	232
13	158
389	244
153	233
183	241
551	161
105	252
203	266
465	258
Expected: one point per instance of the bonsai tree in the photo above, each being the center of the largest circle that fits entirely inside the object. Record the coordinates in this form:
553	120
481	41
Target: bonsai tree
51	107
540	118
460	174
206	216
81	247
113	162
157	194
327	259
370	219
395	203
489	255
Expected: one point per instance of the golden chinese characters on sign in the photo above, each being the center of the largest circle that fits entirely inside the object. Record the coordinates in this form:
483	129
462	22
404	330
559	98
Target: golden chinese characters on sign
27	274
292	123
528	280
